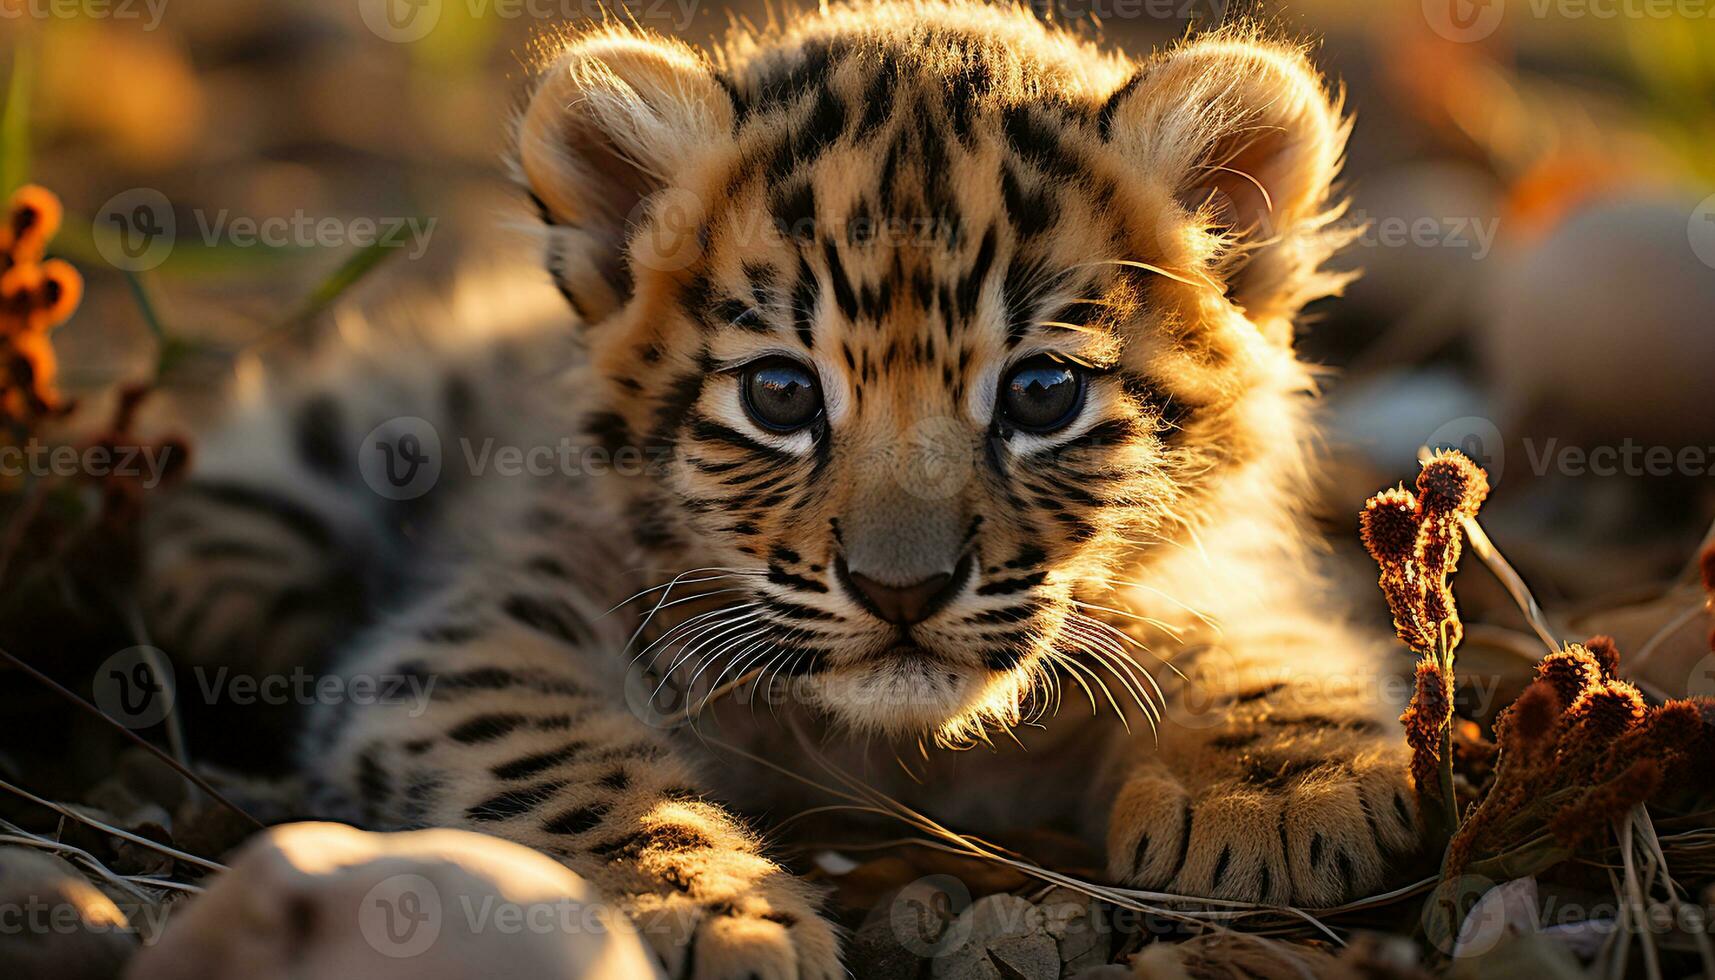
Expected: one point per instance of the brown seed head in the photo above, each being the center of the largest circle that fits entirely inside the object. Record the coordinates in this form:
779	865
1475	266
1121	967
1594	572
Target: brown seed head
1570	671
1528	725
1451	484
1606	653
1605	711
1388	526
1430	710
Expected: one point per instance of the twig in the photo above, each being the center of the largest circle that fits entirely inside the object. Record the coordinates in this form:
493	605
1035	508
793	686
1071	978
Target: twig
23	838
136	739
1661	636
1514	583
84	818
1639	895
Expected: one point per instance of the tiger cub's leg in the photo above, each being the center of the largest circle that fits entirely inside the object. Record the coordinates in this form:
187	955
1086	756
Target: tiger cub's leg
506	720
1280	777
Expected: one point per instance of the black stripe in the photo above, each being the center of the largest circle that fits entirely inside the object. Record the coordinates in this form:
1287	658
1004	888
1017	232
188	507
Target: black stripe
536	762
513	802
578	821
549	616
283	510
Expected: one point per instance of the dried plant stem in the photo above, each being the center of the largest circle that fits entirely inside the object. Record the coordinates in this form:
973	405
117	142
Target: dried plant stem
1514	583
1667	632
1636	894
19	837
140	841
864	798
138	740
1700	930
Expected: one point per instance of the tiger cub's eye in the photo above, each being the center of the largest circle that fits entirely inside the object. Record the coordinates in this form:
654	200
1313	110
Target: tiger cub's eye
781	395
1042	395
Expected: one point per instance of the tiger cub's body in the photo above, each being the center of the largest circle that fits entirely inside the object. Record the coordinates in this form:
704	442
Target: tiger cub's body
941	365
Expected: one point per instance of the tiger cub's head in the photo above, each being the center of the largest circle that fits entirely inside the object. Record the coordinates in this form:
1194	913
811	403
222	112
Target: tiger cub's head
947	317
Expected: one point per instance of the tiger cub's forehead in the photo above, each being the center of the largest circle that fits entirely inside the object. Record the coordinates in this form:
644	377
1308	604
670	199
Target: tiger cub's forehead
898	207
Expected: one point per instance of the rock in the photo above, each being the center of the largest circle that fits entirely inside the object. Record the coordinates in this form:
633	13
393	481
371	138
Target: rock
325	900
1079	929
1006	938
877	953
54	924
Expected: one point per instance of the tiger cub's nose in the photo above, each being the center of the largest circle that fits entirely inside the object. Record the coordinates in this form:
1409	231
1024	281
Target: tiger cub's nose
901	605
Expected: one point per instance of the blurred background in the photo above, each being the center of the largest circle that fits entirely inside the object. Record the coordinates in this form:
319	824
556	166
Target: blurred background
1537	177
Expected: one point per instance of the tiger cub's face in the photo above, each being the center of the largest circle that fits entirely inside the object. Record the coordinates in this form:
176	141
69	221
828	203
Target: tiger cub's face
946	317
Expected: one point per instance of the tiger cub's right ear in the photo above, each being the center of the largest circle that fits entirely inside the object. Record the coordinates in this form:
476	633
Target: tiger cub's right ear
616	117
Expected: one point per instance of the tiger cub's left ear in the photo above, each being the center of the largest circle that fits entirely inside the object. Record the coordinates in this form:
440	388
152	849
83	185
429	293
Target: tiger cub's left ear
1251	141
616	117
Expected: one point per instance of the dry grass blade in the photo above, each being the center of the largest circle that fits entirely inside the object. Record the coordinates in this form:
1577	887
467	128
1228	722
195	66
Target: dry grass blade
1205	912
1514	582
126	835
131	736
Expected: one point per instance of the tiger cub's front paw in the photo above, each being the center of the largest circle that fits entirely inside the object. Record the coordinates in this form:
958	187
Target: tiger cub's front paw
1311	832
733	915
